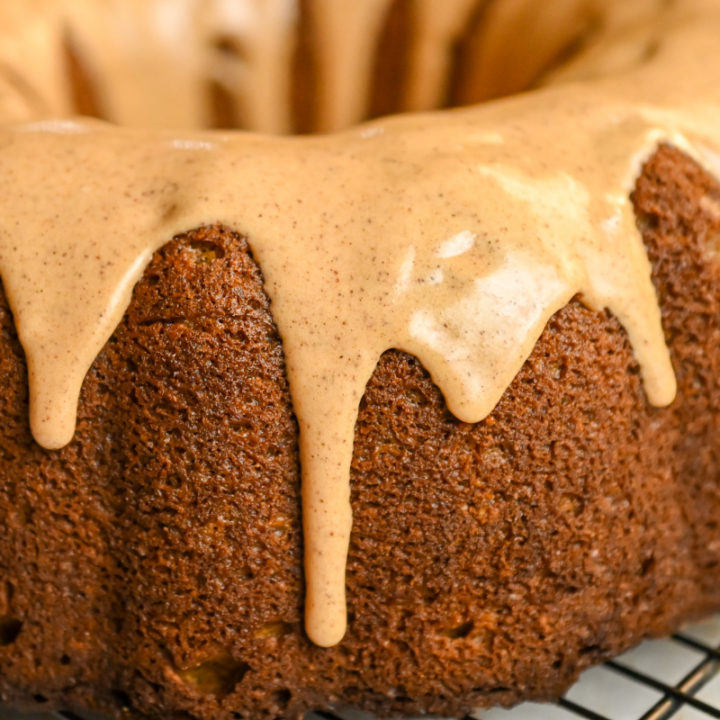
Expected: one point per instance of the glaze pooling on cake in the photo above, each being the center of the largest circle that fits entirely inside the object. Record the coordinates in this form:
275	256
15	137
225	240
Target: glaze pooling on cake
453	237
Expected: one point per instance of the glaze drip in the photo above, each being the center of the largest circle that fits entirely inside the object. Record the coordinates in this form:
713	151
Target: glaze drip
452	236
151	63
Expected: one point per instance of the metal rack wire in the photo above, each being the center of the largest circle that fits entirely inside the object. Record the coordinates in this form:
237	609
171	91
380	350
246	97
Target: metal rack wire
676	678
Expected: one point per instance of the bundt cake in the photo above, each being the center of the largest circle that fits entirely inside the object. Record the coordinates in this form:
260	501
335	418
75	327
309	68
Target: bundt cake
416	417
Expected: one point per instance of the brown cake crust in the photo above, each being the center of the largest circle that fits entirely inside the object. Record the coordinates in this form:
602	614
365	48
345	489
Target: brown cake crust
152	568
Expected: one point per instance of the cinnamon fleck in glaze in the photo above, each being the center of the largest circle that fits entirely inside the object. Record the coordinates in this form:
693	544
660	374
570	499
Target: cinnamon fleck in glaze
453	237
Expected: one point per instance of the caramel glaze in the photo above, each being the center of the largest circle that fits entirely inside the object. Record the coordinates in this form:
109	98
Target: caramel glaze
452	236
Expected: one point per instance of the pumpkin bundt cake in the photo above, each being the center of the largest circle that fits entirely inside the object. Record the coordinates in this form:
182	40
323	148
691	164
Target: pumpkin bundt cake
418	416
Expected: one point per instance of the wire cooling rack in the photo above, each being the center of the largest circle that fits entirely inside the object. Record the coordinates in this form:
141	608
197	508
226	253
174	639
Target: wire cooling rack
678	678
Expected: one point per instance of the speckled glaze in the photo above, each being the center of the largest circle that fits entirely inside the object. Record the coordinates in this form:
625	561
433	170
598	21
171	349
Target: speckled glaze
452	236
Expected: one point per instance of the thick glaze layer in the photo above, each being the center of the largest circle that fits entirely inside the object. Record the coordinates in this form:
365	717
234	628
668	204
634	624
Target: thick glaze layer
452	236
